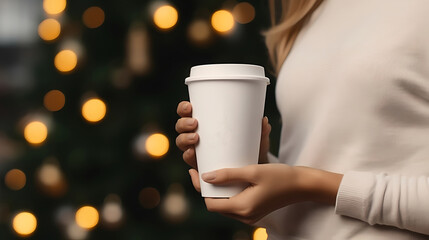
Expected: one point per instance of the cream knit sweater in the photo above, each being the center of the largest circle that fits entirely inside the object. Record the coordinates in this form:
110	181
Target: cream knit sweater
354	98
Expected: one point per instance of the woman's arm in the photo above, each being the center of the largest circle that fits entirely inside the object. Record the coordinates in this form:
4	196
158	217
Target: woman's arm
394	200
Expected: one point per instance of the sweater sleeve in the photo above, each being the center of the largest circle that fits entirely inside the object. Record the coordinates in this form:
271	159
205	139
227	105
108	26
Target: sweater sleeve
394	200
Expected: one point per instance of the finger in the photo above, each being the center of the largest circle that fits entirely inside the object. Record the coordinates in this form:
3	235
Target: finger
185	140
231	175
184	109
221	205
186	124
190	158
266	127
195	179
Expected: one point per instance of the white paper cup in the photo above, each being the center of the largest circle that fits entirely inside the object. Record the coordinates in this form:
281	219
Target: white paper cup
228	102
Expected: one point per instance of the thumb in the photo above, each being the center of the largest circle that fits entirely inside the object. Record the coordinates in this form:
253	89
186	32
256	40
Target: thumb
230	175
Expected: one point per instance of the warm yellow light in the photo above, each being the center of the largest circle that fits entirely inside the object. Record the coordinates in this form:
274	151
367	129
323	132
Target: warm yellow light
93	17
243	12
35	132
87	217
222	21
260	234
15	179
54	6
24	223
65	61
157	145
94	110
49	29
165	17
54	100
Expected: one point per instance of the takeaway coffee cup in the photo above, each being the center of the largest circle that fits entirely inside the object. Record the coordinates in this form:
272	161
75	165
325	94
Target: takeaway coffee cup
228	102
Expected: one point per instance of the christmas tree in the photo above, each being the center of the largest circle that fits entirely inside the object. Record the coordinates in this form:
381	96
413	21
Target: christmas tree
88	97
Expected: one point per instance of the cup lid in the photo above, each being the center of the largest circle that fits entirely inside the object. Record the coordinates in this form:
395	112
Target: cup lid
227	71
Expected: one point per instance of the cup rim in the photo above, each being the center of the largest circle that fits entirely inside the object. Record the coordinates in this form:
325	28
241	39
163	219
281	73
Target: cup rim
258	70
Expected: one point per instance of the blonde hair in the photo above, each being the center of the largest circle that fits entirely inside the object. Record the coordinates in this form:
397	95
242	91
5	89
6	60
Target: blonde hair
286	24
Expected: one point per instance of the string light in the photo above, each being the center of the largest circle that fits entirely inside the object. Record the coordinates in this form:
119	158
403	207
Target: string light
54	100
157	145
35	132
24	223
87	217
65	61
54	6
49	29
149	197
260	234
222	21
94	110
243	12
93	17
15	179
165	17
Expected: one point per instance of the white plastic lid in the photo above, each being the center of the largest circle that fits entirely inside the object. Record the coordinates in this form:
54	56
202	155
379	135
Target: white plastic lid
227	72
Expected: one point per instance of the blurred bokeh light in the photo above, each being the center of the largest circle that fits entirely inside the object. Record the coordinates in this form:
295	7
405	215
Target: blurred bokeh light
15	179
54	6
94	110
93	17
199	32
175	206
260	234
165	17
75	232
112	212
54	100
49	29
243	12
35	132
65	61
157	145
24	223
138	58
51	180
87	217
222	21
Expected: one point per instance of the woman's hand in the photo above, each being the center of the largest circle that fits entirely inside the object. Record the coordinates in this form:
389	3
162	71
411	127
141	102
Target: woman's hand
271	186
187	138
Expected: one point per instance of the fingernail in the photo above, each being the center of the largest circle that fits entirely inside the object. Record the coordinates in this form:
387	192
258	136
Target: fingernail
190	121
185	106
210	176
192	136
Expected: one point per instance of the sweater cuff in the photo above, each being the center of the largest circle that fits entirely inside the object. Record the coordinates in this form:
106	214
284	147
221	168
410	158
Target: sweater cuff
354	194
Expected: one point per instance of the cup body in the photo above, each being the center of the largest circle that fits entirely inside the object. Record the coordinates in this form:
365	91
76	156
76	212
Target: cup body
228	104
